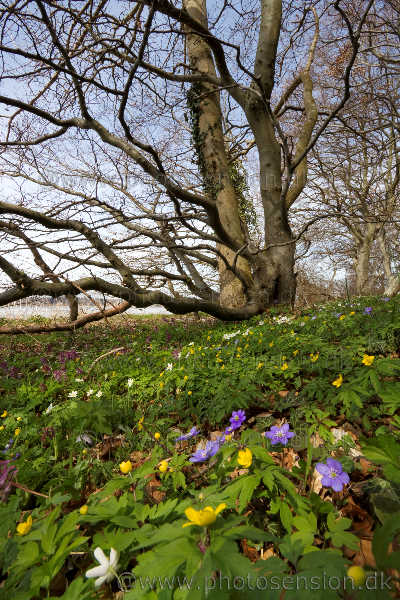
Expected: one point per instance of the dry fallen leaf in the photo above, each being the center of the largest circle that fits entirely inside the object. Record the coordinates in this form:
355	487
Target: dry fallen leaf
316	482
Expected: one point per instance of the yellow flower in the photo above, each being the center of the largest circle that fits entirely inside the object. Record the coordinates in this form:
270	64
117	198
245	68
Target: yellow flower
83	509
25	527
185	378
163	466
189	393
368	360
338	382
161	374
161	385
228	437
157	436
295	352
245	458
357	574
19	418
284	366
126	467
352	313
17	431
84	451
342	317
1	427
314	357
271	344
204	517
4	414
260	365
139	425
223	367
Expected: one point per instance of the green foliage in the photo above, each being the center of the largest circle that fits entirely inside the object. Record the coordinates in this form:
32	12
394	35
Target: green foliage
74	423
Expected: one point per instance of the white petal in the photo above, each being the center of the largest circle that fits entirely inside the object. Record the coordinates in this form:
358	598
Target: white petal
96	572
114	556
100	581
101	558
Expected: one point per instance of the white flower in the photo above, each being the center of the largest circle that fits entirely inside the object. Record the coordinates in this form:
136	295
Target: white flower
129	383
73	394
78	379
99	394
89	392
107	569
169	367
49	409
228	336
138	359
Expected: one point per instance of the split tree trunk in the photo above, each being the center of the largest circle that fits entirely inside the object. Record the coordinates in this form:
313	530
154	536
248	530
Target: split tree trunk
213	159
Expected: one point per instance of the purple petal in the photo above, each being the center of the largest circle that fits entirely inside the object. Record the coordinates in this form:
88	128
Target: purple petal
285	428
323	469
336	484
334	464
326	481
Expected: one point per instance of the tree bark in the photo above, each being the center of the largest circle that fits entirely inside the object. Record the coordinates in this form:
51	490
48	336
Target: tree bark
213	161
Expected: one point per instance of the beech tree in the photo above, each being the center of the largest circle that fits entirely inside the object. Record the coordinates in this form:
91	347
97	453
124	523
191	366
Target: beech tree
127	129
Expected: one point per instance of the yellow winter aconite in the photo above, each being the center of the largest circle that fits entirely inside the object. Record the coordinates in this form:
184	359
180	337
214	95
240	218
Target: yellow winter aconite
338	382
126	467
245	458
140	424
284	366
204	517
368	360
17	431
4	414
357	574
24	527
83	509
157	436
314	357
163	466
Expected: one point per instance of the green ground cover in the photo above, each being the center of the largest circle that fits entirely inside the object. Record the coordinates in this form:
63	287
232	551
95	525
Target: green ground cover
92	474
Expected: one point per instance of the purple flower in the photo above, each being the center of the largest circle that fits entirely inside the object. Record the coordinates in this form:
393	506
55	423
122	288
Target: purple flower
339	315
237	419
279	435
186	436
59	374
386	299
368	310
333	474
7	474
208	452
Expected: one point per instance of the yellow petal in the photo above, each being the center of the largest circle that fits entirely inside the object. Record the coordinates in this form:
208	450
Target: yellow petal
191	514
219	508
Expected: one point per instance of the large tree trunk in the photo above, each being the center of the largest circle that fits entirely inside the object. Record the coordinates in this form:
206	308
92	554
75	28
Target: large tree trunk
362	269
275	277
361	266
213	161
392	286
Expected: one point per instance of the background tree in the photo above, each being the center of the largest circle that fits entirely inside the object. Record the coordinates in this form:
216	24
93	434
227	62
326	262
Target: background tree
107	178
